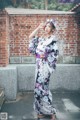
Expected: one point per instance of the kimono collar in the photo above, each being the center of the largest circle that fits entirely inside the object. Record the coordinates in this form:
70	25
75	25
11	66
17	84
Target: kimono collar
49	40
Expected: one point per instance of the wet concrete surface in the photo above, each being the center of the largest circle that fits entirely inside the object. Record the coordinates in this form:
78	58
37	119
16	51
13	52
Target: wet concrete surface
67	105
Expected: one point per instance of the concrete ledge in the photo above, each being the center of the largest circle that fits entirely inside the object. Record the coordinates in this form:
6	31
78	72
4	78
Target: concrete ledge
15	60
22	11
31	60
77	59
22	60
28	60
69	59
21	77
66	76
26	77
8	81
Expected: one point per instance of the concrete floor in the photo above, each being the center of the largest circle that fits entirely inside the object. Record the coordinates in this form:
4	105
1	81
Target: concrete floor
67	104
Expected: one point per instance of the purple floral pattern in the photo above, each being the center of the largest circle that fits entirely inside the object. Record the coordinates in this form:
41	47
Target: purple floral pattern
44	68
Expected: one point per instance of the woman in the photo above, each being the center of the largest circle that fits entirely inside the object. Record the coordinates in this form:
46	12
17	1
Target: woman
46	52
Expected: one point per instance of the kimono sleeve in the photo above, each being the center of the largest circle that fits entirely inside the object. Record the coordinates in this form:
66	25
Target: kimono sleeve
33	45
52	57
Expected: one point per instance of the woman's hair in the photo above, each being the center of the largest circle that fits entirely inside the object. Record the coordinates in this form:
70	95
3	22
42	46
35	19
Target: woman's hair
51	22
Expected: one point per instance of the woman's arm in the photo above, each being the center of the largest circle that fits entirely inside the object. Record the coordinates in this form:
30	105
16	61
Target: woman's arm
33	33
36	30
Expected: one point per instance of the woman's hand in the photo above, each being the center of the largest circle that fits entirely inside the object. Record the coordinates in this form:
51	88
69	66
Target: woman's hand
42	56
42	25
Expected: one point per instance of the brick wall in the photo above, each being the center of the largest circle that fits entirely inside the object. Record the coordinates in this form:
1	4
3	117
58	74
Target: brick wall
4	43
20	26
78	41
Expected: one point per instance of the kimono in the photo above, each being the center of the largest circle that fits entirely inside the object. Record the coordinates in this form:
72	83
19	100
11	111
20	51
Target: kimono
44	68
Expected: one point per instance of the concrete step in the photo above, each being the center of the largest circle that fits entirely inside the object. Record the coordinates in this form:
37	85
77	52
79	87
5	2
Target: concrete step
2	97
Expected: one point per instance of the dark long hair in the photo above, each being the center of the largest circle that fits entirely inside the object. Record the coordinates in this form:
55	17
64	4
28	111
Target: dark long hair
52	25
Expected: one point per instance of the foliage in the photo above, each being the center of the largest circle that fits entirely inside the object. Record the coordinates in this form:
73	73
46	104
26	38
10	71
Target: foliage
4	3
38	4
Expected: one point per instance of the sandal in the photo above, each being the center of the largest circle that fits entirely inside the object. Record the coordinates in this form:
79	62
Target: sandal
40	116
53	117
39	119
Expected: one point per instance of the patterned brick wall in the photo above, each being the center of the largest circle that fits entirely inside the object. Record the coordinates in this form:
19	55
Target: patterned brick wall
78	30
20	26
4	43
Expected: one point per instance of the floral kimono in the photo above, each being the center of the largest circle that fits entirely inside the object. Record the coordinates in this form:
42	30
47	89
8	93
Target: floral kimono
44	67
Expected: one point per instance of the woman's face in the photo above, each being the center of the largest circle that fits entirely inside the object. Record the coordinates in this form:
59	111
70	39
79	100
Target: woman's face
48	28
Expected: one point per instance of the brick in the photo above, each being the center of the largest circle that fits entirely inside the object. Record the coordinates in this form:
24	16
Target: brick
3	39
16	29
